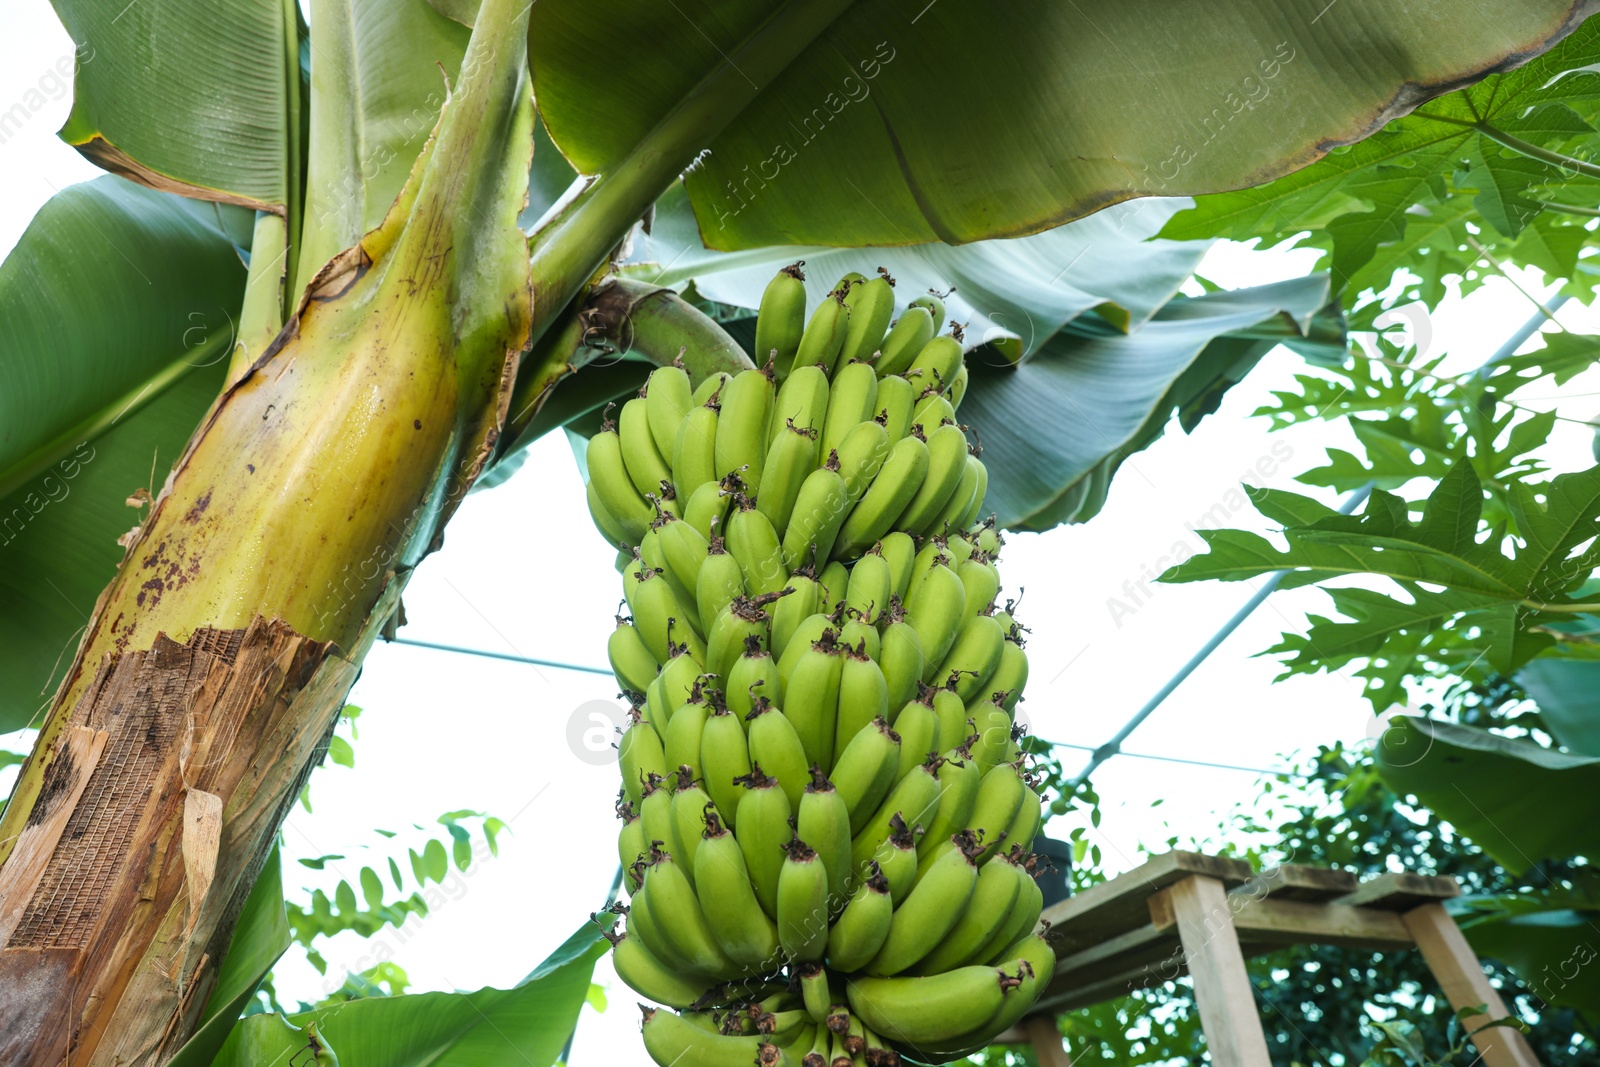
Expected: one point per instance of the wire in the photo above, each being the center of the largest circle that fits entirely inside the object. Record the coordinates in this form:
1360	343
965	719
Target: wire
1177	759
500	655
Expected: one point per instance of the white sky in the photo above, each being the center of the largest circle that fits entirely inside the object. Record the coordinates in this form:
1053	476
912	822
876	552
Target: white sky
523	572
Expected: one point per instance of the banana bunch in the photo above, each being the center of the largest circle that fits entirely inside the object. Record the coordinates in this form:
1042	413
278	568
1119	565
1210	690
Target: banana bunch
826	812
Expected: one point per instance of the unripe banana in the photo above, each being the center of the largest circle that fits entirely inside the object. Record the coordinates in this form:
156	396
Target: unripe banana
1025	826
859	932
725	758
897	858
650	977
863	697
690	806
981	579
672	689
814	991
892	489
871	305
685	732
975	508
933	908
862	455
1023	975
655	813
811	697
993	725
973	657
640	456
668	398
824	823
852	400
834	582
866	770
951	711
869	586
792	610
959	779
824	334
709	386
1011	674
958	547
613	531
683	552
754	543
947	459
1024	915
802	400
631	659
743	619
754	674
910	333
807	633
951	517
933	304
694	453
986	912
958	387
631	845
803	903
741	442
937	363
676	911
790	460
897	401
775	745
707	508
934	609
932	410
861	635
918	1011
639	755
764	830
781	319
900	656
673	1041
915	798
722	882
719	581
819	511
918	728
608	473
1000	795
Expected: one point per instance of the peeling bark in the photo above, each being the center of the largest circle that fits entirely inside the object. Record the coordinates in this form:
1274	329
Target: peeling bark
176	768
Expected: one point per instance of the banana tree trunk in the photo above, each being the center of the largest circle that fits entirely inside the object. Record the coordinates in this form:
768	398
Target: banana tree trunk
215	665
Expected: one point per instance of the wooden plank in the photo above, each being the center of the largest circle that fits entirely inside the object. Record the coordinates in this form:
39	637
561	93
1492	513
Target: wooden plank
1222	990
1138	959
1116	906
1272	923
1045	1036
1461	976
1401	891
1294	881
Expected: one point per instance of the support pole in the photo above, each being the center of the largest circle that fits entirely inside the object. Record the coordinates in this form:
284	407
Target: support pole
1461	976
1216	964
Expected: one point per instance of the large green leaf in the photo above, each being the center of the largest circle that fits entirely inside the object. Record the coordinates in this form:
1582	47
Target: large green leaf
1546	938
116	313
1516	800
1568	694
911	122
1403	197
528	1025
194	96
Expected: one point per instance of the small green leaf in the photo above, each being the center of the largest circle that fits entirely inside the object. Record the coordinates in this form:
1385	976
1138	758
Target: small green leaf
371	887
345	897
438	864
319	862
340	752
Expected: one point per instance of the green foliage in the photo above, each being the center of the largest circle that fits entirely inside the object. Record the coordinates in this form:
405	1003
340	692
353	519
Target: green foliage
1494	174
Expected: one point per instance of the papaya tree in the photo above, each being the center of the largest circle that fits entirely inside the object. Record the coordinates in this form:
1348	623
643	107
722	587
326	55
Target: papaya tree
330	288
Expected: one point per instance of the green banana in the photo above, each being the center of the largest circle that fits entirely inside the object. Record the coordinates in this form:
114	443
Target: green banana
776	745
962	500
900	551
706	510
631	659
668	398
1024	914
897	858
951	711
613	531
933	608
645	465
640	754
672	688
608	473
975	508
650	977
811	698
918	727
868	589
871	305
862	454
655	811
631	845
802	400
865	770
824	822
863	697
933	908
932	410
803	904
806	633
683	552
834	582
743	619
781	319
981	579
754	543
792	457
720	580
1011	674
792	610
958	387
659	616
684	734
673	1041
722	882
900	655
947	460
676	910
993	896
852	400
755	673
1025	825
814	990
897	401
694	453
892	489
725	758
861	635
910	333
824	334
1022	975
764	830
690	806
993	724
933	304
1000	795
914	798
922	1010
709	386
741	441
959	779
819	510
937	363
860	930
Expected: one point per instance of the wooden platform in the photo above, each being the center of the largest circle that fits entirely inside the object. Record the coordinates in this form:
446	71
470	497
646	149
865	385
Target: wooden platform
1189	913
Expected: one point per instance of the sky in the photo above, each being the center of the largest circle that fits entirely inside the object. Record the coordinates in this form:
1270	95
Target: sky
524	573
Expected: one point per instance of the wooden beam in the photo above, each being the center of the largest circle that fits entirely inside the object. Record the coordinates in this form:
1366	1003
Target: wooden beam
1461	976
1114	907
1221	987
1271	923
1293	881
1401	891
1045	1036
